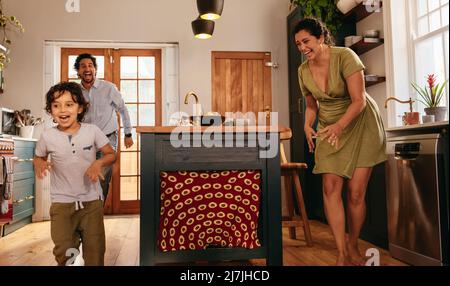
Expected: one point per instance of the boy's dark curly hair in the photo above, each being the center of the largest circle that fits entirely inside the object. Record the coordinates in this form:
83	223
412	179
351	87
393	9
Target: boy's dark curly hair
77	95
81	57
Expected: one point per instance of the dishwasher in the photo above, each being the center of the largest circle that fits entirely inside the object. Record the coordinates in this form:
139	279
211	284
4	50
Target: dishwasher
417	199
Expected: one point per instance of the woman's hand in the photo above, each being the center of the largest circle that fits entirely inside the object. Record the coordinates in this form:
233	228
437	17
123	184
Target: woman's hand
41	167
331	133
309	133
95	171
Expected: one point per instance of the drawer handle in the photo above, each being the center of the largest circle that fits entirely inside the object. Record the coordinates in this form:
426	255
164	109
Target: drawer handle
18	202
22	160
29	198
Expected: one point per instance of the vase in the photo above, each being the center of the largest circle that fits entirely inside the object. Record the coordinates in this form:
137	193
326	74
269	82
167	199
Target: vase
439	112
26	131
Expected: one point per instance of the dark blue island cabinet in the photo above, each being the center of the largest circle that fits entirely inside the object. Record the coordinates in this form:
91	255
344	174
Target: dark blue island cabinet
208	149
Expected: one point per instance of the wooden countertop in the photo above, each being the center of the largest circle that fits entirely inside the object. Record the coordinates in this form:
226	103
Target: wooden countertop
421	126
216	129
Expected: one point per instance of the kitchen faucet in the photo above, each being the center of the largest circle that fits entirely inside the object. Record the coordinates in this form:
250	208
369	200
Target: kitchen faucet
197	108
410	101
187	97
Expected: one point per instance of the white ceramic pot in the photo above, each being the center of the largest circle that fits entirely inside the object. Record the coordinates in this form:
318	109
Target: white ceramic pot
26	131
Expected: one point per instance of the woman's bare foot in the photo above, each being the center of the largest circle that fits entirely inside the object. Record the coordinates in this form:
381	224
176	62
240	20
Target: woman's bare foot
342	260
354	256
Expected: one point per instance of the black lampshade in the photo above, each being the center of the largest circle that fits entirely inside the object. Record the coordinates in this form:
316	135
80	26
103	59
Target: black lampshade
203	29
210	9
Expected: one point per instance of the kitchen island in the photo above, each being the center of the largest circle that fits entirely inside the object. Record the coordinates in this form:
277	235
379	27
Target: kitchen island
210	151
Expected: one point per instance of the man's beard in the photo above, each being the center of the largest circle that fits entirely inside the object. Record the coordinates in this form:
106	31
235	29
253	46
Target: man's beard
83	79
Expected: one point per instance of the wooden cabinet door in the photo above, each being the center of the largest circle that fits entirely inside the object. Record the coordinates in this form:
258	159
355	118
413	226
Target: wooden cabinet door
241	82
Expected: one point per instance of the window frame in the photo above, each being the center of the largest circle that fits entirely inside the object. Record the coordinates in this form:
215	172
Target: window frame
414	40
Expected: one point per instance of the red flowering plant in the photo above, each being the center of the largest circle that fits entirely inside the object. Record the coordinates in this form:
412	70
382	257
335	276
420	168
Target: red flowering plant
432	94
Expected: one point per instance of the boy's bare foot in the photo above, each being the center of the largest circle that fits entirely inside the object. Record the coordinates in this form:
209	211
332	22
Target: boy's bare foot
354	256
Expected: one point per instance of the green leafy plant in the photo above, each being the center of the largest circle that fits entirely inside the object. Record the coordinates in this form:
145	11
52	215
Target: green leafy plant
432	94
5	23
326	10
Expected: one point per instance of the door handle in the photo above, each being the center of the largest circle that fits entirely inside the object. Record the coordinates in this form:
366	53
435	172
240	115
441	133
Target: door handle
267	110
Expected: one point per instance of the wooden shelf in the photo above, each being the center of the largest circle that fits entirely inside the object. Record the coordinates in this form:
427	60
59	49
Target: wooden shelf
380	80
362	47
358	13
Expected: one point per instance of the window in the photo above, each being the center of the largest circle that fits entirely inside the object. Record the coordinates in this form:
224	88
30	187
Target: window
429	41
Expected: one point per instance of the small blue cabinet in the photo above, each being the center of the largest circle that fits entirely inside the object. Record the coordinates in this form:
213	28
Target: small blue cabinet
24	185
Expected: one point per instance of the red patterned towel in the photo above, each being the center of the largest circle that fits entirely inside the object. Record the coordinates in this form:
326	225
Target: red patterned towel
209	209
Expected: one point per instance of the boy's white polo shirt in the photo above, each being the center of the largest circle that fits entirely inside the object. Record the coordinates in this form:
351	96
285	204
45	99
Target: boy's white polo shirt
71	156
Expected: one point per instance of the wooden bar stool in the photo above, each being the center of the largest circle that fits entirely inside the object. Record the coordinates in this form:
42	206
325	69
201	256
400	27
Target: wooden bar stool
290	171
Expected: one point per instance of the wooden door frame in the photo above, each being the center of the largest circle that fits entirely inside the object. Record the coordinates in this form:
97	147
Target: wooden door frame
65	52
133	207
247	55
112	74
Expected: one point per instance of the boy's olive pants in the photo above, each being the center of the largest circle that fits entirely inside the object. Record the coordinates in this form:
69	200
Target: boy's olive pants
72	223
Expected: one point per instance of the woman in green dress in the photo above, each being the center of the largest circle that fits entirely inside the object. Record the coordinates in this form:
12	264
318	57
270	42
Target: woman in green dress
350	133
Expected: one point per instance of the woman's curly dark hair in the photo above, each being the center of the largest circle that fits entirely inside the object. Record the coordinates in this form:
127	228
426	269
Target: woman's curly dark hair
316	28
77	95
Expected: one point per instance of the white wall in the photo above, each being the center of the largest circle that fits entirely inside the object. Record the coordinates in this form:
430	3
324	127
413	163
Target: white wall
250	25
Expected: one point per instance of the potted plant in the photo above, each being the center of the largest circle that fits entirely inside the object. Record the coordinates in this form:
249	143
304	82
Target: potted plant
326	10
6	22
431	96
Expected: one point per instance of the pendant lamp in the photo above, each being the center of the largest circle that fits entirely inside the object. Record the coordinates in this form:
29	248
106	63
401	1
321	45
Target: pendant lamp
203	29
210	9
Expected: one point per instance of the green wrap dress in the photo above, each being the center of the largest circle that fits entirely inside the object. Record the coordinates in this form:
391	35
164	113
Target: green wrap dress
363	141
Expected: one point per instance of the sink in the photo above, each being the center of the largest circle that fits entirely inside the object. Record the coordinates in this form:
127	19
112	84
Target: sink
208	120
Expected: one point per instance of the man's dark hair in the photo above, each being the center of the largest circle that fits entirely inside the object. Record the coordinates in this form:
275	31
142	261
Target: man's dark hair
77	96
81	57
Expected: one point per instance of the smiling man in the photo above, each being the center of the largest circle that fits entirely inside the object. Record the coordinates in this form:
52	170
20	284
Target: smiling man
104	101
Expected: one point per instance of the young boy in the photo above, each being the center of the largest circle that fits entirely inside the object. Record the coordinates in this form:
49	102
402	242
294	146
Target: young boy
77	199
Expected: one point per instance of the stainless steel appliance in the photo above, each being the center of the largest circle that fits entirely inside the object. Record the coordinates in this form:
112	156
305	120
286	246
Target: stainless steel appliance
417	201
7	121
6	204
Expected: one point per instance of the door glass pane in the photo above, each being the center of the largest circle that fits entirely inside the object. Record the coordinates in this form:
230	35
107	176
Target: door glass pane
72	72
444	2
128	163
139	162
147	115
128	88
135	146
139	188
75	80
128	67
146	67
100	67
132	110
147	91
128	188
